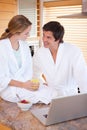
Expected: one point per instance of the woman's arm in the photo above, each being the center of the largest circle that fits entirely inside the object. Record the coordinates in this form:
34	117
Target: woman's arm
29	85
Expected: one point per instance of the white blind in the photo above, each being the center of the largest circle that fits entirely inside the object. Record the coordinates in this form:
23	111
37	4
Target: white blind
75	28
29	9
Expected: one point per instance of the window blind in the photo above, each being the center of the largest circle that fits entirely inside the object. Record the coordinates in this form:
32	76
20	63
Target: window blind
75	28
29	9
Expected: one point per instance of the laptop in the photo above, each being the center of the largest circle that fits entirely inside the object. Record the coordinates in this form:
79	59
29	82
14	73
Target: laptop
62	109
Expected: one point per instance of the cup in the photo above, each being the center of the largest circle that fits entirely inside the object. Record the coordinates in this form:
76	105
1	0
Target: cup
36	81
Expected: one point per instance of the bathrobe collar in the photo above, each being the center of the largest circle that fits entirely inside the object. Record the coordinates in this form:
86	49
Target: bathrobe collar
12	53
51	66
58	57
14	60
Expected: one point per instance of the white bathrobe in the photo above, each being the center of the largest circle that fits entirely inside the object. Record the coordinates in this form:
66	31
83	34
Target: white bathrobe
9	69
67	74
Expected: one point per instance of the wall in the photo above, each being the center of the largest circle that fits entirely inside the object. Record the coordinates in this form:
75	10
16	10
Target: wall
8	8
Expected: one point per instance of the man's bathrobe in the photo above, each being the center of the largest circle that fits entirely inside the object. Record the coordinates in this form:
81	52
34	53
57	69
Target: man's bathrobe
9	69
67	74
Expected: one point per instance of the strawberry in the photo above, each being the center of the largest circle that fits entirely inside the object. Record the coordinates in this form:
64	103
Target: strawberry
24	101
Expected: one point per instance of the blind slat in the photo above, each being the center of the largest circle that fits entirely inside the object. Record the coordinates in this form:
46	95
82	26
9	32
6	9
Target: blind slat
75	29
28	8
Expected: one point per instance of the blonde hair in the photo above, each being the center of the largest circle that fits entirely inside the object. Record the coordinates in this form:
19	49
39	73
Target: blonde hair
15	26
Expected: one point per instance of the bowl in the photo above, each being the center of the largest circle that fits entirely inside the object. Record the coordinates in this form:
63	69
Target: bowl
24	105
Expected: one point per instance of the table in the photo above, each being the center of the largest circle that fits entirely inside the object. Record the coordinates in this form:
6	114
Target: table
12	116
3	127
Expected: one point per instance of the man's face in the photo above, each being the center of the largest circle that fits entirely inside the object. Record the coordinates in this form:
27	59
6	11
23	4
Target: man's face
49	40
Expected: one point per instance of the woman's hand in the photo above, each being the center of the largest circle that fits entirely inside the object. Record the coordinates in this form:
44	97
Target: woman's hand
30	85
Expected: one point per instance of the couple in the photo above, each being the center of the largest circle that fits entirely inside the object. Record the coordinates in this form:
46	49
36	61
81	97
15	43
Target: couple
62	64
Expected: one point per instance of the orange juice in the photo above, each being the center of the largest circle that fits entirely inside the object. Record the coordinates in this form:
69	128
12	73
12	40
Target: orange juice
37	82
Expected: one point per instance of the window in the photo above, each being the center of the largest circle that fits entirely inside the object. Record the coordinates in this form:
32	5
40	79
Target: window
29	9
75	28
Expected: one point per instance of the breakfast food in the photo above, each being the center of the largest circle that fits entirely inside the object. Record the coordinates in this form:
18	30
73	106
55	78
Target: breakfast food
24	101
24	104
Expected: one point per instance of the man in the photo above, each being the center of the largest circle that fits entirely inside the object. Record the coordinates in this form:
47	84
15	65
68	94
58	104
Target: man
62	64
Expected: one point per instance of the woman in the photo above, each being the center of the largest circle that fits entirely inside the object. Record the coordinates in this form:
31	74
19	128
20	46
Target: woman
15	61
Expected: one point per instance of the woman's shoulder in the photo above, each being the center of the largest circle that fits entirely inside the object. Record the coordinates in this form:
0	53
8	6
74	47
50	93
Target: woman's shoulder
24	46
3	43
23	43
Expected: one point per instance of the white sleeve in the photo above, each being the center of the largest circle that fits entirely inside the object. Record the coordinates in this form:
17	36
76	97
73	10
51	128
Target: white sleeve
80	71
36	66
4	72
28	64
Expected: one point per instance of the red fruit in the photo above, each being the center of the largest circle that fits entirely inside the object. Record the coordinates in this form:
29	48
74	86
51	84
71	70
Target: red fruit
24	101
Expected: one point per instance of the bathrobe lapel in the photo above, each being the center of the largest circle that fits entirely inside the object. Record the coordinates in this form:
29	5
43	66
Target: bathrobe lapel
51	66
16	70
59	56
11	55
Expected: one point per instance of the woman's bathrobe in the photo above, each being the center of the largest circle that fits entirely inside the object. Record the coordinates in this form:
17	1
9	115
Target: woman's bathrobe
9	70
67	74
